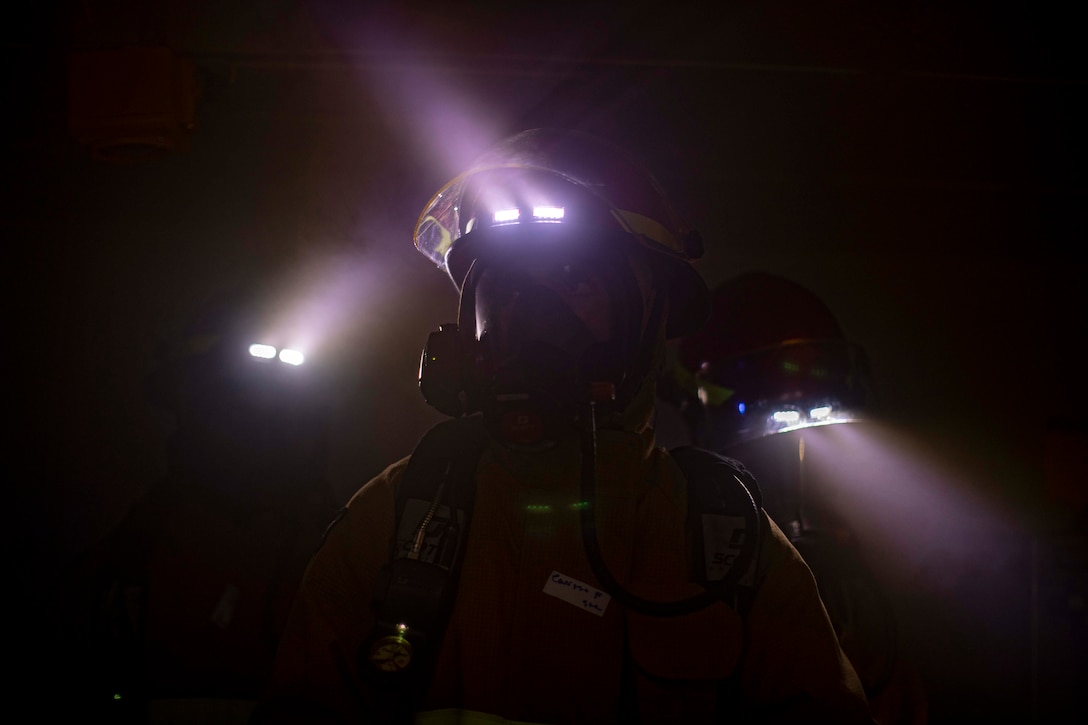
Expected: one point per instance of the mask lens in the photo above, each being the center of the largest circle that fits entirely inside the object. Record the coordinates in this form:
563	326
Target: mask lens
561	303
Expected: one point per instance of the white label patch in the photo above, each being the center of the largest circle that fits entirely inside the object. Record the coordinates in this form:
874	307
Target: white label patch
577	593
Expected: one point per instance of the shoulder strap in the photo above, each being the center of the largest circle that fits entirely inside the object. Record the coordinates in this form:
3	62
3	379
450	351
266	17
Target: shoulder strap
434	500
440	474
723	520
696	461
415	590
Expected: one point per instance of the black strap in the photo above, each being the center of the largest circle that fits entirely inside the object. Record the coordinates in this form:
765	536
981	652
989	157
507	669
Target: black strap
415	590
434	501
723	520
445	456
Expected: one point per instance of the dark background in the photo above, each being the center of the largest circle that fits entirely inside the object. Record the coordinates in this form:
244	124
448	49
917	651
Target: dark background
920	165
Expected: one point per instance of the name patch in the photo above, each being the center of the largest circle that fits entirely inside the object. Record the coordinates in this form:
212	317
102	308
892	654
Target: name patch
578	593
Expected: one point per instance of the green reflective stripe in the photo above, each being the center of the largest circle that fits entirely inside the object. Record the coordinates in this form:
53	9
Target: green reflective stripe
454	716
712	395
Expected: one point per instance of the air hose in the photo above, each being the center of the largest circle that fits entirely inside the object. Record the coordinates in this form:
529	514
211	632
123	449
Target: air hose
592	544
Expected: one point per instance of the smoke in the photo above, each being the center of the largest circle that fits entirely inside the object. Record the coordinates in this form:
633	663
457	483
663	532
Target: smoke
923	516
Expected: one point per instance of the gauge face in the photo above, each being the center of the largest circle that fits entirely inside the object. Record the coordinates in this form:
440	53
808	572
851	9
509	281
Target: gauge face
391	654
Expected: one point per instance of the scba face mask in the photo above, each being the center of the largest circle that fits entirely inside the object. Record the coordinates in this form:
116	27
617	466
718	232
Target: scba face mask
570	203
549	326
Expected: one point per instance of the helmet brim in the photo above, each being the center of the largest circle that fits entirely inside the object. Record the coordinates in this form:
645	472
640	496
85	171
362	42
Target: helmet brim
688	294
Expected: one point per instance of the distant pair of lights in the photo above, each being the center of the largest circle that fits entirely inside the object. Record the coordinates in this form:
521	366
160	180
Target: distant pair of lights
283	354
539	214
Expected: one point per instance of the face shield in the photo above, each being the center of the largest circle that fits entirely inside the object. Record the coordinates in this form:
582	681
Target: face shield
572	268
545	178
552	303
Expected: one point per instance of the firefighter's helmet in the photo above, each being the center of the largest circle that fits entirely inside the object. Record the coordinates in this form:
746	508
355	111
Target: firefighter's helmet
772	357
547	186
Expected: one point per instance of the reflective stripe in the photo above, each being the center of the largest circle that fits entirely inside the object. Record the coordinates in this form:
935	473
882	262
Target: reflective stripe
453	716
712	395
651	229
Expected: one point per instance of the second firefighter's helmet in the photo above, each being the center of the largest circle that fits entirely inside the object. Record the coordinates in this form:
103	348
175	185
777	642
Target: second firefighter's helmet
772	357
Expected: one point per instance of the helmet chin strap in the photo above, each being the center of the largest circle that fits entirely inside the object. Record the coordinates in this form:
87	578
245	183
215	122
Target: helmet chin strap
640	368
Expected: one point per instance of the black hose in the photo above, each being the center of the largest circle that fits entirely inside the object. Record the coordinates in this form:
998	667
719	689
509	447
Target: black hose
592	545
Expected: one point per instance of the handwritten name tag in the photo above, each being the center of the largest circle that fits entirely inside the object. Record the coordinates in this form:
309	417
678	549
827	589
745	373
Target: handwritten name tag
578	593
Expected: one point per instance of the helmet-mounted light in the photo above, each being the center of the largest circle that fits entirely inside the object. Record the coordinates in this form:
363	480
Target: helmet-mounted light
778	419
285	355
786	417
544	214
548	213
506	216
261	351
291	357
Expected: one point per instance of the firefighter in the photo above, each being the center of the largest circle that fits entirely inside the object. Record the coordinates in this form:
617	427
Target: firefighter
188	594
538	559
770	371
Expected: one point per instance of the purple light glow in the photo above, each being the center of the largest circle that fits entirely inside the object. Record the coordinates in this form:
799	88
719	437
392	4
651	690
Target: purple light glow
911	508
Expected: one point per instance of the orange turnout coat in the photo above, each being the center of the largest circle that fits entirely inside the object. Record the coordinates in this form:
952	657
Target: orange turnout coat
534	638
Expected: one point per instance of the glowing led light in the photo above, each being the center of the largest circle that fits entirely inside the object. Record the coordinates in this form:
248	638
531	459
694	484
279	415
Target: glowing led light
789	417
265	352
292	357
822	416
548	212
742	408
505	216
